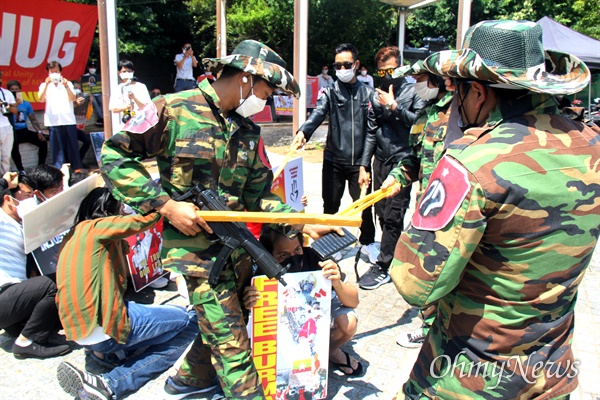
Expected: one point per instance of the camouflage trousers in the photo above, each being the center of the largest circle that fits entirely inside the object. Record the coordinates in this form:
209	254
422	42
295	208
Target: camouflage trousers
222	348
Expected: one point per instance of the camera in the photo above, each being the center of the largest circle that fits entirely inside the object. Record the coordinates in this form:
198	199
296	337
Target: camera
4	106
127	115
188	48
435	44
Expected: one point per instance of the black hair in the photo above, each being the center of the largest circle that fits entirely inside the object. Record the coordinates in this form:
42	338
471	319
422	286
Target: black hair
77	177
126	64
229	72
437	81
14	82
46	177
347	47
24	179
5	192
270	235
53	64
99	203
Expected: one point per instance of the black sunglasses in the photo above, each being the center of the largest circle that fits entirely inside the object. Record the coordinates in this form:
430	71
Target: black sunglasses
382	72
345	64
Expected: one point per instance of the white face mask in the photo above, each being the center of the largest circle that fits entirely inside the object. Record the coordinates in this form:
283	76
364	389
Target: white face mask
126	75
325	71
425	92
55	77
251	105
25	206
92	71
345	75
77	92
363	73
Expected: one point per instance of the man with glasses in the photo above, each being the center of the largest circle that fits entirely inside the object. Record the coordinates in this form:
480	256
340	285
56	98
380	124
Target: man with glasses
396	106
348	103
507	226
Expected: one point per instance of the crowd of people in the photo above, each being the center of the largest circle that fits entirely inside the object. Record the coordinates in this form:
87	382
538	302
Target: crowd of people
504	228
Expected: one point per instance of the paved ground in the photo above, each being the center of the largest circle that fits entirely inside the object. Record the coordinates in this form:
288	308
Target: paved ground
382	315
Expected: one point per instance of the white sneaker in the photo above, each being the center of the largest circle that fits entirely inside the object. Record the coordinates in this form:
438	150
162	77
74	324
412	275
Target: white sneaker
159	283
372	251
411	340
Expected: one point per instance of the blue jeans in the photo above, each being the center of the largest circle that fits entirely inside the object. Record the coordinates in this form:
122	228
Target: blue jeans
184	84
165	331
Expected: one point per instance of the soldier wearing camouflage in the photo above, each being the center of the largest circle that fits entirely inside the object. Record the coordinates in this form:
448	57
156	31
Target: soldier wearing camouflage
197	138
506	228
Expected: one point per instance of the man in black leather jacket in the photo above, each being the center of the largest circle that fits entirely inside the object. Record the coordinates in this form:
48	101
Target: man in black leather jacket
395	106
348	103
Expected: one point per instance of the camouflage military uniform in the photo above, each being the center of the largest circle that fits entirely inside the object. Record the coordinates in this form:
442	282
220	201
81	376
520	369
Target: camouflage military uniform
194	144
427	143
427	147
505	229
505	270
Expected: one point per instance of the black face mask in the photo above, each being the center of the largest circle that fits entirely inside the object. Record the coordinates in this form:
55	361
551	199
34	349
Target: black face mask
387	80
294	261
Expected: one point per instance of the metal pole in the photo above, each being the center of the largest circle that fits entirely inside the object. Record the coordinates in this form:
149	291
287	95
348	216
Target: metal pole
401	28
107	30
464	21
221	28
300	59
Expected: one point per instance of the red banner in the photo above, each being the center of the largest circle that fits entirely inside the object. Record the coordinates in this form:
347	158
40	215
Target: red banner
34	32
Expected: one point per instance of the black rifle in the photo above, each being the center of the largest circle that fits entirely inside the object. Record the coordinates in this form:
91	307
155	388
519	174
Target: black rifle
232	235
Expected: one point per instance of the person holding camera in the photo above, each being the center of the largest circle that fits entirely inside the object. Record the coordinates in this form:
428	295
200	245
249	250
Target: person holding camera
9	107
185	63
130	96
22	133
58	94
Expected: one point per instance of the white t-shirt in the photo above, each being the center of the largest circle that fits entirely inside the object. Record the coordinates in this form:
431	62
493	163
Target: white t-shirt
120	96
59	109
6	96
366	79
186	71
13	261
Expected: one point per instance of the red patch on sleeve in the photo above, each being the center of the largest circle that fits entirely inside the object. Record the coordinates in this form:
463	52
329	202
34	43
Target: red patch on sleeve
262	153
448	187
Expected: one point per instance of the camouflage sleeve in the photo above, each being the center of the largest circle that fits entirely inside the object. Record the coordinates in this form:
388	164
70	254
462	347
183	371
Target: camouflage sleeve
428	264
257	191
407	170
122	167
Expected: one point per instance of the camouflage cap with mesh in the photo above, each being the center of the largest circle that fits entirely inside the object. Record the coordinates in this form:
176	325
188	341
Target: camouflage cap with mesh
260	60
510	54
415	69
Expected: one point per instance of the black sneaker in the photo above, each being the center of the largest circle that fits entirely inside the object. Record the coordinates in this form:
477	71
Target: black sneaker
82	384
411	340
373	278
36	350
175	391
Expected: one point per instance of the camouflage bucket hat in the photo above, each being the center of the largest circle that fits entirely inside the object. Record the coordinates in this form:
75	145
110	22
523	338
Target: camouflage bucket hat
415	69
260	60
511	55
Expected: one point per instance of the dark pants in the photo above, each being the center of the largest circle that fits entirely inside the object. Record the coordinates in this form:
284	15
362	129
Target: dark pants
184	84
86	142
29	308
97	106
27	136
64	146
390	213
334	182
